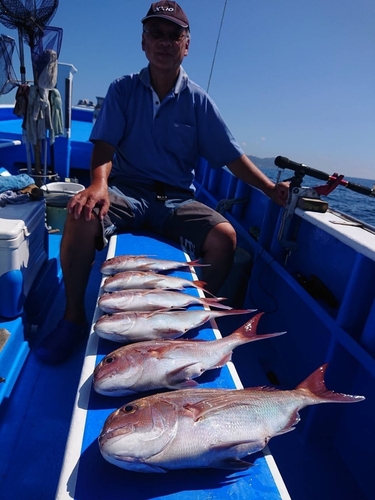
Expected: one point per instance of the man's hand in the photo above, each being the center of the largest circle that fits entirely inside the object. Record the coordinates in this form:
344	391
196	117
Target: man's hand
96	195
279	193
85	201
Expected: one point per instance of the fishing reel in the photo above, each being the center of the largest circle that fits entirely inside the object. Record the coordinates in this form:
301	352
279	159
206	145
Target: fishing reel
307	198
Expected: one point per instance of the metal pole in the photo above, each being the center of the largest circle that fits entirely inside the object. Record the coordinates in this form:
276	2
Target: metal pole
22	56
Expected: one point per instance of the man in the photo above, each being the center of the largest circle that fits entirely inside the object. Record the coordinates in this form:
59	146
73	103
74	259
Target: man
149	135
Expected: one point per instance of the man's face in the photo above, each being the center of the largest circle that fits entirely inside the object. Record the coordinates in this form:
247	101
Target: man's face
164	43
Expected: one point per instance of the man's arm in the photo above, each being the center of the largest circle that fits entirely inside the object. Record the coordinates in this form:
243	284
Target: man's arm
96	195
244	169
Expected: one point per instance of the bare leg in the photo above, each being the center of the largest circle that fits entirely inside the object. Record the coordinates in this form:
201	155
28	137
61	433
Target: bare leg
218	250
77	257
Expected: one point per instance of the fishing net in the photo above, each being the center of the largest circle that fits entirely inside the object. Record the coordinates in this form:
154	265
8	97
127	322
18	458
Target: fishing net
8	78
44	57
28	16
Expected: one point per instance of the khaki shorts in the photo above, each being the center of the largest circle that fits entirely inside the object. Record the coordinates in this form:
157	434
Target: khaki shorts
175	215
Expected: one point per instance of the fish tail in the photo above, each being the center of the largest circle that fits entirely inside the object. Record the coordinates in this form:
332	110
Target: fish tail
196	263
199	283
316	385
248	331
215	302
237	311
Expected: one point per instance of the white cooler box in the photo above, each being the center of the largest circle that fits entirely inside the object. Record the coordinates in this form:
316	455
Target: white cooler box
23	250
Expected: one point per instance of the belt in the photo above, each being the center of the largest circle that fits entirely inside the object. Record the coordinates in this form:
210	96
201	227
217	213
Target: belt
160	188
160	191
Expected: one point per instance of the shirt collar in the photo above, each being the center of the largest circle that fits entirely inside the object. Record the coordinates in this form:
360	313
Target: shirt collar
181	82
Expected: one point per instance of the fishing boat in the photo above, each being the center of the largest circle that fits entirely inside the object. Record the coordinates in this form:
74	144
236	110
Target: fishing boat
308	268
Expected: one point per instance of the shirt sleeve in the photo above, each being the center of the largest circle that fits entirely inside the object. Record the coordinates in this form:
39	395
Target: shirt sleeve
215	141
111	122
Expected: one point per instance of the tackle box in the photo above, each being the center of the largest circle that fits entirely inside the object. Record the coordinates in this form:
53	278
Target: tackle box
23	251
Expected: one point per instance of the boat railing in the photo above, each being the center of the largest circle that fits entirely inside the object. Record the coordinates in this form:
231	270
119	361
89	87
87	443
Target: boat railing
321	290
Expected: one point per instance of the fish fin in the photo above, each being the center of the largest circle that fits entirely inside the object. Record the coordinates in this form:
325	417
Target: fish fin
186	384
248	331
243	311
152	291
184	374
288	429
215	302
199	283
168	331
204	408
144	267
196	263
315	385
201	286
155	468
241	448
231	464
154	282
236	311
150	314
133	465
225	359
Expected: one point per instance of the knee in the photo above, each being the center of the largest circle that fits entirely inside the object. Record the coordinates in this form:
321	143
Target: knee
221	240
81	228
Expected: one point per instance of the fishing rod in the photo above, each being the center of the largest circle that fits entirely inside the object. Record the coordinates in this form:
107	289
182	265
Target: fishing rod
308	199
217	45
300	169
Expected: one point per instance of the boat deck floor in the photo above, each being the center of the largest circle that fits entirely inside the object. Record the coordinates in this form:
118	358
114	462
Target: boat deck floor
35	420
35	423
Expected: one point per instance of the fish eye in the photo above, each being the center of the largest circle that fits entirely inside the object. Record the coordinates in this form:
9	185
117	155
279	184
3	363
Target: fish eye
129	409
109	359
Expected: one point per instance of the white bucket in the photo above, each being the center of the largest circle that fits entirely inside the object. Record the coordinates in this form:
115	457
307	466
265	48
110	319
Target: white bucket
57	195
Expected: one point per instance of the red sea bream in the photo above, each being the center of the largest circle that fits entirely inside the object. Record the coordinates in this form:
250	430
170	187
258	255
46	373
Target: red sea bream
169	364
152	300
122	263
148	279
138	326
191	428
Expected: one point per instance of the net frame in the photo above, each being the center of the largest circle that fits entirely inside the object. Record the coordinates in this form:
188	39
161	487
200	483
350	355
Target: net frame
8	79
29	17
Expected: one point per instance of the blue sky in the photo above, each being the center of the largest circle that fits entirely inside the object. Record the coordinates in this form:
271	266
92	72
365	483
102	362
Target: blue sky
292	77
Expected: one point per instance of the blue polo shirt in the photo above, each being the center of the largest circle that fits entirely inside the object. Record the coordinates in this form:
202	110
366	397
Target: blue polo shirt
164	146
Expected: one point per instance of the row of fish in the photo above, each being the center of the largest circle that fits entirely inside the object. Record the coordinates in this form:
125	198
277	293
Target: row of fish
143	305
190	426
155	360
135	286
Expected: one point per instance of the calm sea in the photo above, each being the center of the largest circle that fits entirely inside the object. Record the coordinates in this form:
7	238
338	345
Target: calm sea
356	205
